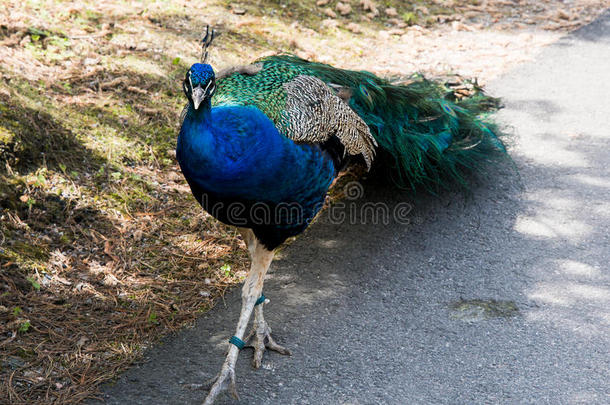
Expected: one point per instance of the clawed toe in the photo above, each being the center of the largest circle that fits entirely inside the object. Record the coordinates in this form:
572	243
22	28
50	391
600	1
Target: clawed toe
260	339
272	345
225	381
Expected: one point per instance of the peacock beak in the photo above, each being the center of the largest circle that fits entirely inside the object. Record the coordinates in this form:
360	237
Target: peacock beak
198	96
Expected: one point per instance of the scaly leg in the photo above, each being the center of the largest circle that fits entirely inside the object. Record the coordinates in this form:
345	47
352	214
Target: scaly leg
253	286
260	338
260	330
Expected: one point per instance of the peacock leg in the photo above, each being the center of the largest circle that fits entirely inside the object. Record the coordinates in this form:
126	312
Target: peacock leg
249	239
260	330
252	289
260	338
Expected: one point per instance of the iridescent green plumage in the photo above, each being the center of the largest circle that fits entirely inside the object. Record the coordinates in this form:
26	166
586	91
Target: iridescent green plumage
427	136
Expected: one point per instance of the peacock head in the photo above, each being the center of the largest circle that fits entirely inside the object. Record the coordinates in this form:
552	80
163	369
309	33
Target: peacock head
199	83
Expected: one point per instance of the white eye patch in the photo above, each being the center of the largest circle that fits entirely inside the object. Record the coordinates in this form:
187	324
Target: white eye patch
206	87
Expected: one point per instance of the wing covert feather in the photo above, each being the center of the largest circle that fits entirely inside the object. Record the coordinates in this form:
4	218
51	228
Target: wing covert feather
302	107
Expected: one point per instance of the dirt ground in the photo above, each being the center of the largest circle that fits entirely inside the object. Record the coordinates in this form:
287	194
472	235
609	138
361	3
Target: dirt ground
102	249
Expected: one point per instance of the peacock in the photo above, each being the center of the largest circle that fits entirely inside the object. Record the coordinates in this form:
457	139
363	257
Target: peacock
260	145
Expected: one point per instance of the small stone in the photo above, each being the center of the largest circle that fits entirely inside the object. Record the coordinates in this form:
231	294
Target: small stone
422	9
321	3
353	27
238	10
397	22
368	5
391	12
563	15
343	8
458	26
329	12
418	28
26	40
329	23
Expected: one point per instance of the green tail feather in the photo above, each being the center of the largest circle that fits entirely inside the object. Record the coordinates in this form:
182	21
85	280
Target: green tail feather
429	138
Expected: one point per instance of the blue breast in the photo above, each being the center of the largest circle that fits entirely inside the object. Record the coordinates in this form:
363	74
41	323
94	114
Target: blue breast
235	155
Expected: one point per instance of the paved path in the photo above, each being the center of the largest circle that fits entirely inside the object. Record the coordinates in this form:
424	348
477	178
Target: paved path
500	298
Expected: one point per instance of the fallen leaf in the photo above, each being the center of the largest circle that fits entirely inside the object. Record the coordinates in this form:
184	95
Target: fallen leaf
108	251
137	235
110	280
82	341
137	90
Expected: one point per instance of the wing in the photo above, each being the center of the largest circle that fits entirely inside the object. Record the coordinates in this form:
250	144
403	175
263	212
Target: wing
302	107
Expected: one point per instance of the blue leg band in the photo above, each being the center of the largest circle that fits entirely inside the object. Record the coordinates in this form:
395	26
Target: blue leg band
237	342
260	300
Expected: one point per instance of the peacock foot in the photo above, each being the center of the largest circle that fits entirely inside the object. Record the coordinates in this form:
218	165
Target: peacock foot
260	339
225	381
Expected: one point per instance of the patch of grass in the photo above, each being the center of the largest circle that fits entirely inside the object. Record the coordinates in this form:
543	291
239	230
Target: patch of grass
409	18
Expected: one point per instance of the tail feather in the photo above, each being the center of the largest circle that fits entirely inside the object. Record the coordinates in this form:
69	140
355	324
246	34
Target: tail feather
429	136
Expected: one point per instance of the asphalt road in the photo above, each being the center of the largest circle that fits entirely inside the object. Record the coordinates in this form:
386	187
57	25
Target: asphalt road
502	297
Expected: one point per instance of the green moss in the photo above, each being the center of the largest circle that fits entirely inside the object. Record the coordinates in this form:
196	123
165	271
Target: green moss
29	251
6	135
28	256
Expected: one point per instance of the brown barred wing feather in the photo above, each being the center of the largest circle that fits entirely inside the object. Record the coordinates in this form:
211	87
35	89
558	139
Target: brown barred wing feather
314	113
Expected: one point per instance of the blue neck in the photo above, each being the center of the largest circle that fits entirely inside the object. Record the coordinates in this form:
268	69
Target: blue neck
203	113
